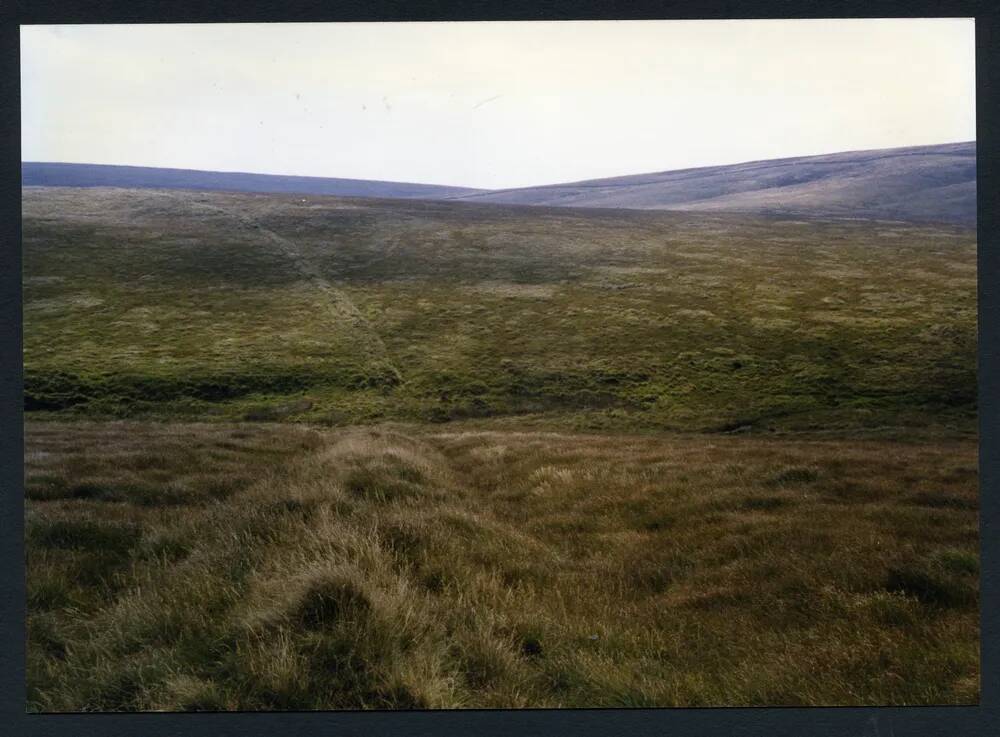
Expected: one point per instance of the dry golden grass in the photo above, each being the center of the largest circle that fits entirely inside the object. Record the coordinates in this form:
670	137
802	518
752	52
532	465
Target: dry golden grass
280	567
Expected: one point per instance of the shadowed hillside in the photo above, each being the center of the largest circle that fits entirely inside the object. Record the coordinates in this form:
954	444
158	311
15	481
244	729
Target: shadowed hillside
923	183
46	174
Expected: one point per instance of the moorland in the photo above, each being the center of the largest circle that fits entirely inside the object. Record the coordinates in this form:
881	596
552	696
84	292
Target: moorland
297	451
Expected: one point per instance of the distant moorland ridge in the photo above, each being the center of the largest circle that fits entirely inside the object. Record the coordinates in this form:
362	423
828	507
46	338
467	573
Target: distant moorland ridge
922	183
47	174
918	184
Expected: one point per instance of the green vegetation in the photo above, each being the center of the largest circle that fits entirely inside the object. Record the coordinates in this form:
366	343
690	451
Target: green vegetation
300	453
346	311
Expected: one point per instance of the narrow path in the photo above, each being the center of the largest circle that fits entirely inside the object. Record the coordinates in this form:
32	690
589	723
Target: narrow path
337	304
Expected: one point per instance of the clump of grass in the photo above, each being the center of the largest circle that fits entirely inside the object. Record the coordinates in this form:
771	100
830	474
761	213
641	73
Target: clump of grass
44	487
329	598
168	546
959	561
931	584
793	476
194	694
765	503
385	483
44	635
106	537
275	412
852	491
653	570
944	500
893	608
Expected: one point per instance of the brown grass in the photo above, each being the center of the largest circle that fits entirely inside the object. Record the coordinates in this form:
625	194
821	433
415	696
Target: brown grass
279	567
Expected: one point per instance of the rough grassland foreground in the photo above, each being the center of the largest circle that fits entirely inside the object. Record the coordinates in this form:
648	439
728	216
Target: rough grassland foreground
391	568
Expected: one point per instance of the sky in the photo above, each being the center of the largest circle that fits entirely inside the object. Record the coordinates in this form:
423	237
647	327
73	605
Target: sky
490	104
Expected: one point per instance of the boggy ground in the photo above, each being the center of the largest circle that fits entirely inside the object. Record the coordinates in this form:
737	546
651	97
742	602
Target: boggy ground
260	566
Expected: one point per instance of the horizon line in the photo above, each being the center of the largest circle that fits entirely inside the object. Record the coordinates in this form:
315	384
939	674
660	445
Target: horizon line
485	190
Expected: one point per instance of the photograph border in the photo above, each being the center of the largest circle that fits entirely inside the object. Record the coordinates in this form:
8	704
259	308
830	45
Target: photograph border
868	721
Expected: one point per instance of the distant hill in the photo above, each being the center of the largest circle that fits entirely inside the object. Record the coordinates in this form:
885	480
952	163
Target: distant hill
917	184
99	175
922	183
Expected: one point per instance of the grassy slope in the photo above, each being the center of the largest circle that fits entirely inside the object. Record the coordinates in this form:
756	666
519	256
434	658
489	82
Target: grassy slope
399	568
189	305
486	562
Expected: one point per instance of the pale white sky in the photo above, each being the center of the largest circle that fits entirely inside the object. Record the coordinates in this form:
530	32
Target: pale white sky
490	104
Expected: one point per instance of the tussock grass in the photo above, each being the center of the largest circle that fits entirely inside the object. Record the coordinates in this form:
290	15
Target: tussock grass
405	568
